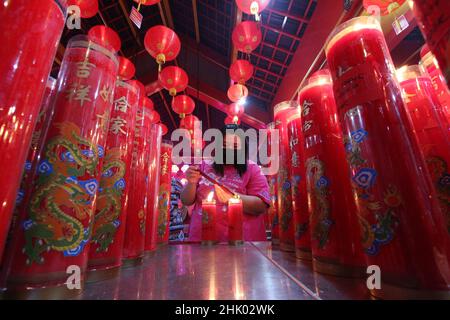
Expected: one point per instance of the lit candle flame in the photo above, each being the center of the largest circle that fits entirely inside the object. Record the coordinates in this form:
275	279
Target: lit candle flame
210	196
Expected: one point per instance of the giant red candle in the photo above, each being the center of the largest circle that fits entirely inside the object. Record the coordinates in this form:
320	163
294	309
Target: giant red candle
282	111
53	231
298	182
165	187
273	210
133	249
105	253
402	225
235	221
431	129
209	213
153	190
433	17
26	56
334	228
429	63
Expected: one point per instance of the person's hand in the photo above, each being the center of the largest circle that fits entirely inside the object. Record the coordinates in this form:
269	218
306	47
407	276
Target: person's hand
222	195
192	175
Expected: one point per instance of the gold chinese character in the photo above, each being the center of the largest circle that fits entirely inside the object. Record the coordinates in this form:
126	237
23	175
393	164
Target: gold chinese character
307	126
121	104
117	124
79	92
84	69
105	92
104	121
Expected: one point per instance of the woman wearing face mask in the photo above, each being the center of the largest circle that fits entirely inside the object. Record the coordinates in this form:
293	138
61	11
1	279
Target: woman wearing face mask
242	176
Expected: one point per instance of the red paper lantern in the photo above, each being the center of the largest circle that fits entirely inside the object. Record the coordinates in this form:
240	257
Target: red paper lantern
386	6
253	7
105	37
163	128
237	91
147	103
183	105
162	43
147	2
232	120
155	118
241	71
173	79
88	8
188	122
126	69
247	36
235	109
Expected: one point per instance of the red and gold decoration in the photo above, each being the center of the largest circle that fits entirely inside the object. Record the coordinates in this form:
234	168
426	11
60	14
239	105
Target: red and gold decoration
241	71
232	120
433	17
247	36
395	199
209	212
88	8
26	61
133	249
151	228
333	222
108	231
430	127
165	183
183	105
253	7
54	230
237	92
173	79
298	189
273	189
162	43
105	37
282	112
148	104
386	6
126	69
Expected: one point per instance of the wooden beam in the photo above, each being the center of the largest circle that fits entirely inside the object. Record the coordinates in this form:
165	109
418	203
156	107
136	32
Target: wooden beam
127	17
197	29
166	5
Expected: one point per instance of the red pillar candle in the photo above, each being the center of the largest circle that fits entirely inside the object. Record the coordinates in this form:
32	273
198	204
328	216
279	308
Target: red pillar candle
133	248
298	182
429	63
282	111
402	225
235	221
431	130
154	176
108	232
165	188
433	17
273	210
334	229
209	213
26	57
53	233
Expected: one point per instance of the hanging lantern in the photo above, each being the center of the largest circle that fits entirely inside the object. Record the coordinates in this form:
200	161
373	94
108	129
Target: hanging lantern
189	122
173	79
163	128
241	71
253	7
105	37
386	6
162	43
146	3
148	103
183	105
126	69
232	120
247	36
237	92
155	118
235	109
88	8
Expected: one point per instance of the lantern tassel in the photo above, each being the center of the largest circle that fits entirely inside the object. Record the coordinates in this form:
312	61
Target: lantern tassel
139	6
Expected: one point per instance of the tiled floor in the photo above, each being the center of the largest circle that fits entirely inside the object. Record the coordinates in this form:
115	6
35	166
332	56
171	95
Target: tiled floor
252	271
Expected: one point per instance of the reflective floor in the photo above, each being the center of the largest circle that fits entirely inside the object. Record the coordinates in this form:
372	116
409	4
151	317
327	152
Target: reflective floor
252	271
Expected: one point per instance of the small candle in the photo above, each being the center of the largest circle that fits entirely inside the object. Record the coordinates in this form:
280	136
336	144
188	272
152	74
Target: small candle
209	234
235	221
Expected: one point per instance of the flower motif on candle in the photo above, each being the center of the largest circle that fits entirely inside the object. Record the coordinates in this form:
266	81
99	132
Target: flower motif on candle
365	178
45	167
359	135
79	92
353	150
392	197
